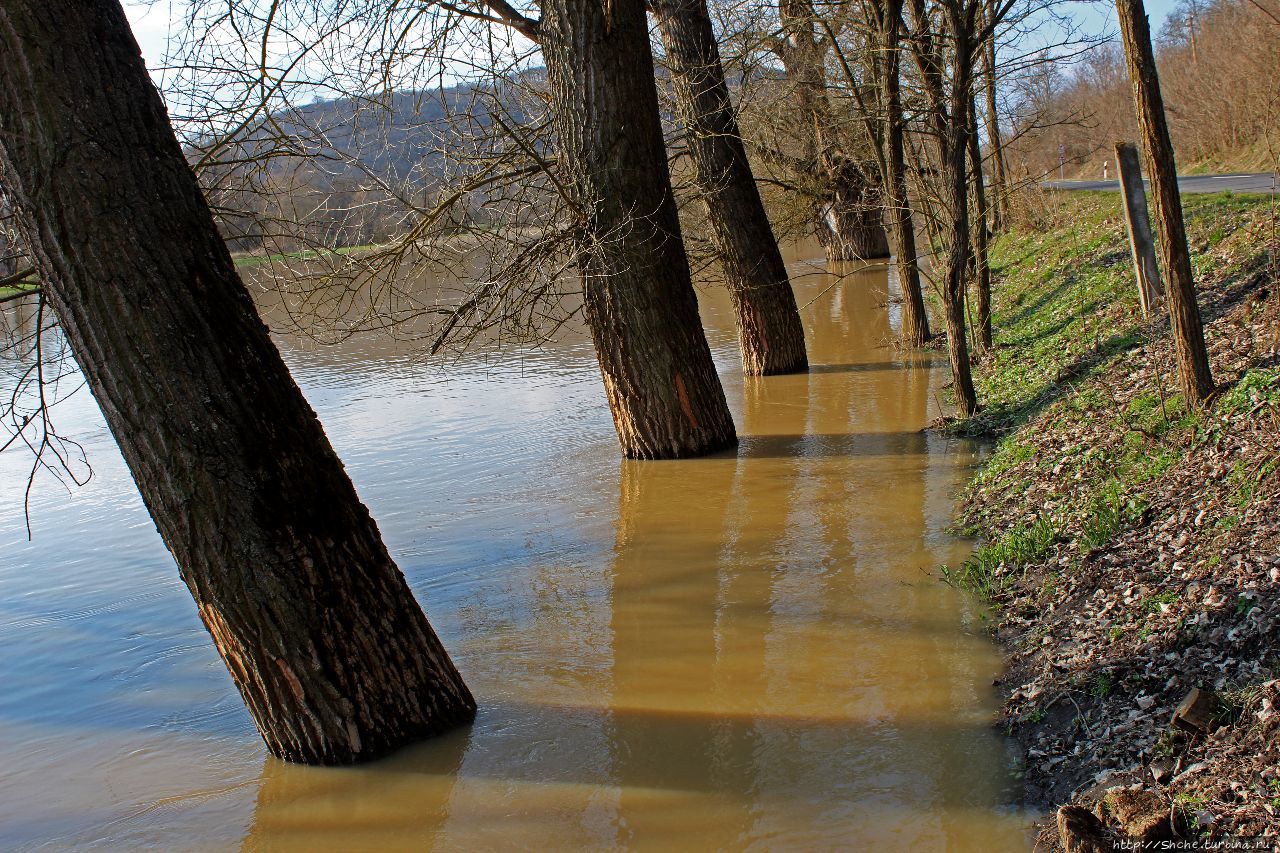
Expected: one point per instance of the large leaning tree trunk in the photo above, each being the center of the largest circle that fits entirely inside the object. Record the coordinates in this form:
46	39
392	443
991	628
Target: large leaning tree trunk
666	398
847	204
770	333
321	634
1188	331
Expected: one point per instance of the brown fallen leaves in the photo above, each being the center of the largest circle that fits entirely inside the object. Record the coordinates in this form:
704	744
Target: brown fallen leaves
1105	642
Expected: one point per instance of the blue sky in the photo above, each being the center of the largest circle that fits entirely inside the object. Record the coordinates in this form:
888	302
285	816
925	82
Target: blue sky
151	28
151	22
1096	14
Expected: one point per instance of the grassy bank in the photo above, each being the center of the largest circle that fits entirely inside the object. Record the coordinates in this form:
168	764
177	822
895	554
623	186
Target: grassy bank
1130	547
17	290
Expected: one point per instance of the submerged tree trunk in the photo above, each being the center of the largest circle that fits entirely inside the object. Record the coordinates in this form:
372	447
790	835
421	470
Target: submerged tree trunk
846	210
849	222
915	320
322	636
981	234
769	330
1188	331
639	301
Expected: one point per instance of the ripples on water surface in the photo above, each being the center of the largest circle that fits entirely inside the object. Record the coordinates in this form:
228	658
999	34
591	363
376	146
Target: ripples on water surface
739	651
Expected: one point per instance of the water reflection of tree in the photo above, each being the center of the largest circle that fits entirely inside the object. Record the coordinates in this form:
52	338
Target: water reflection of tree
36	372
772	659
676	750
401	801
812	692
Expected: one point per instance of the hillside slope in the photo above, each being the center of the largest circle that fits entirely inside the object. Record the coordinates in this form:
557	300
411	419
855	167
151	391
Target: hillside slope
1132	547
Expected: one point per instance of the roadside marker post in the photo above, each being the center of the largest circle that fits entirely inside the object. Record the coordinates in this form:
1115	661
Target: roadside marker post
1134	194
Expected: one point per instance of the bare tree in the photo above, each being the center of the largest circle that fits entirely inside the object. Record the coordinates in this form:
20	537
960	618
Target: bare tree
1222	99
995	140
981	232
35	367
1188	330
945	38
770	334
321	634
886	127
843	177
535	176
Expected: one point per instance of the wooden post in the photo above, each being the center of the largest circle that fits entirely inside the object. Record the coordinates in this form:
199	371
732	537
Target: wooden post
1135	213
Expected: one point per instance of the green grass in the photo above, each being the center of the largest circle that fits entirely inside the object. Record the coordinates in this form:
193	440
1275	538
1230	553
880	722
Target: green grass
19	288
989	569
1257	387
1110	511
1066	307
1152	603
1009	452
1244	482
1065	316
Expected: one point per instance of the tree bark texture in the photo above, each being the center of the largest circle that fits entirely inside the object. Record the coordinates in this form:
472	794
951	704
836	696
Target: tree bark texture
846	209
850	225
1184	314
955	199
322	636
666	398
915	319
947	82
770	333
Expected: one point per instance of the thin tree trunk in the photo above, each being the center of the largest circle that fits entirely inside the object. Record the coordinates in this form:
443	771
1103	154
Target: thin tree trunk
915	320
770	333
1188	331
981	236
948	119
321	634
956	203
995	141
639	301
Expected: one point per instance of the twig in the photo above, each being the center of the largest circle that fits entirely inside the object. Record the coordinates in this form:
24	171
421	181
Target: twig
18	278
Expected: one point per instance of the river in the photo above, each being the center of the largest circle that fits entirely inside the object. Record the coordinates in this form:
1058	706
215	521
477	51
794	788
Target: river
743	651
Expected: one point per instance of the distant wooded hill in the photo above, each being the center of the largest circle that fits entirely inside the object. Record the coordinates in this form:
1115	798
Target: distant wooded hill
343	172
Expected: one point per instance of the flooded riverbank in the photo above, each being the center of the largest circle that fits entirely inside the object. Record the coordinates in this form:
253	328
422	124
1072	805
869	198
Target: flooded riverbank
744	650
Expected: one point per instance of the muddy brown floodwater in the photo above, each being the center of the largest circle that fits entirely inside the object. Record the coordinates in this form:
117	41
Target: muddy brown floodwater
743	651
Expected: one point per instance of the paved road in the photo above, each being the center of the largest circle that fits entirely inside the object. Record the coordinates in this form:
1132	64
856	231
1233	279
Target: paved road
1262	182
